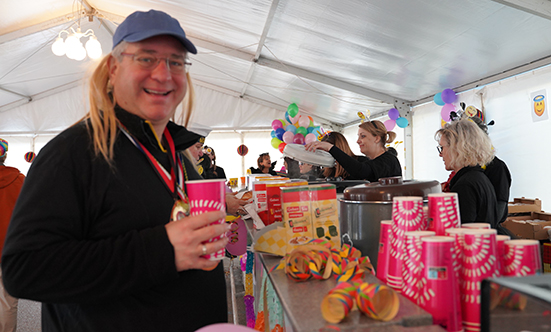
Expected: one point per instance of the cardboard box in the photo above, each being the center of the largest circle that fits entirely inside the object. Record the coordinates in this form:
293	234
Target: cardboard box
524	205
273	196
525	228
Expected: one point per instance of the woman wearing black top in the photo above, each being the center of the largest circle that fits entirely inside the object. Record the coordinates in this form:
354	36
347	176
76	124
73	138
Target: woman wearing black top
265	165
372	137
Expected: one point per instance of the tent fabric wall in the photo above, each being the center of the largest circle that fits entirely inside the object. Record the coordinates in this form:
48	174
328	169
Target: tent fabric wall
519	141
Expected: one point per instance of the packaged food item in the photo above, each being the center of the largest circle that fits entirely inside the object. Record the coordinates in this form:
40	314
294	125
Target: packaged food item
273	196
259	191
297	215
325	215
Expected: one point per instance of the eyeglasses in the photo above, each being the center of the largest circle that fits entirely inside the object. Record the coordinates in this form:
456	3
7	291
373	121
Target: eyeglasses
439	148
150	62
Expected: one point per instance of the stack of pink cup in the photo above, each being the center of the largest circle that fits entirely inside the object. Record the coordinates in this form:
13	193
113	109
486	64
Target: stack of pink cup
411	269
205	196
522	258
443	212
477	225
479	262
439	293
501	239
384	250
407	215
457	234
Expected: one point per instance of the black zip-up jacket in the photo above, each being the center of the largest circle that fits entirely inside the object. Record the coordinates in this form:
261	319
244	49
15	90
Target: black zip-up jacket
89	242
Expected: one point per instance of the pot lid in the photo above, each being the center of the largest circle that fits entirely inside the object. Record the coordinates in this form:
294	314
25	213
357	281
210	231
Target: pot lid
387	188
299	153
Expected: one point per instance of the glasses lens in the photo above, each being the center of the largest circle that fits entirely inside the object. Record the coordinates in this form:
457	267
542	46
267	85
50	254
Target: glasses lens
439	148
148	61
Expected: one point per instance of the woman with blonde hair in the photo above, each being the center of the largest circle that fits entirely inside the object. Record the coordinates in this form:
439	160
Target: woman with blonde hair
380	163
464	148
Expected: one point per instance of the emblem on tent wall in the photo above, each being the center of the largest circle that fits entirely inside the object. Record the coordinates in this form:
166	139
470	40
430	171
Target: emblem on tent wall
538	105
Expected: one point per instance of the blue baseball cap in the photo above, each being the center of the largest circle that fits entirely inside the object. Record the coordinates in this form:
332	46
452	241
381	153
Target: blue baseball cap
142	25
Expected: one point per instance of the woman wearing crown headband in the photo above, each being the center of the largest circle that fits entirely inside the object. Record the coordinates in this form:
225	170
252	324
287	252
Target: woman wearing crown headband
380	163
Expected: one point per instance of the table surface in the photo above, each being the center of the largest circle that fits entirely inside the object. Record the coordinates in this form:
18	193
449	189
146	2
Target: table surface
301	303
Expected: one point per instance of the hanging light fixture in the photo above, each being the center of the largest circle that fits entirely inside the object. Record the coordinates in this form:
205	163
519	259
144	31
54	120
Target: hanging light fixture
72	46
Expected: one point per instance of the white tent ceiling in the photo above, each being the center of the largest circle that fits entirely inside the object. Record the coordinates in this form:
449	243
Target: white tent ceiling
331	57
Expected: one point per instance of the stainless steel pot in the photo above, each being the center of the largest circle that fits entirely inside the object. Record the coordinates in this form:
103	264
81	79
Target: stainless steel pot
362	208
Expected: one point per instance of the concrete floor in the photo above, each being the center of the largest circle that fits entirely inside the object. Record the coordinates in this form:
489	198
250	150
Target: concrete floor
28	315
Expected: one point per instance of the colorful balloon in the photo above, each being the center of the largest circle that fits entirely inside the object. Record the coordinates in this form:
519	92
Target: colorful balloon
393	114
29	157
302	130
281	147
291	128
445	112
293	110
311	121
303	121
402	122
448	96
288	137
276	142
310	138
273	134
276	124
298	139
438	99
287	117
279	133
390	124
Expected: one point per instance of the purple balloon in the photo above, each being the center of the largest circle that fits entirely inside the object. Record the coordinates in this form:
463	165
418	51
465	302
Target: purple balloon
393	114
298	139
445	112
390	124
448	96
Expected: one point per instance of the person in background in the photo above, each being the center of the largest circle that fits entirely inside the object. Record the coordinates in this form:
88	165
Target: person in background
11	181
265	165
91	235
499	175
213	171
309	171
195	152
463	148
338	140
372	137
292	167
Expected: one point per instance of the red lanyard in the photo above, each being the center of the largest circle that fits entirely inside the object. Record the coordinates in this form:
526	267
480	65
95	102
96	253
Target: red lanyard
173	183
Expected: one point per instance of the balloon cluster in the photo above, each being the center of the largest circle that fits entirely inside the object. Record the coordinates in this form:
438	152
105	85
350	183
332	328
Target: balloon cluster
395	120
295	128
445	99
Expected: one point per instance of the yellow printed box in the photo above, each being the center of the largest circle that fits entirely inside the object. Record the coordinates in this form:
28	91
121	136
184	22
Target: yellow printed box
297	216
325	215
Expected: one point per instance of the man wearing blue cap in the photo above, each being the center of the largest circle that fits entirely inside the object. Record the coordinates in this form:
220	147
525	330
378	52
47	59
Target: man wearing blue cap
92	236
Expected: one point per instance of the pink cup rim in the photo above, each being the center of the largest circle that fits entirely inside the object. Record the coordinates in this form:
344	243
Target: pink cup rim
481	231
386	222
475	225
523	242
407	198
437	239
442	195
419	233
457	230
503	238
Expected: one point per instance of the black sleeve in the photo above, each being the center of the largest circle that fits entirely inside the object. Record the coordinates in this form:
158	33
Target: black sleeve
468	202
386	165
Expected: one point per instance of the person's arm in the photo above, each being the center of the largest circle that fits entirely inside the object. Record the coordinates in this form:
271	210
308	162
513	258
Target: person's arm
467	202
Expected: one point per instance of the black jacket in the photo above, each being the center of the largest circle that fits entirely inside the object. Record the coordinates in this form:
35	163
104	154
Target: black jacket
89	241
477	199
500	177
385	165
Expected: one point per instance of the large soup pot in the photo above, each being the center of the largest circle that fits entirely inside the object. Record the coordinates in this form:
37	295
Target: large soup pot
363	206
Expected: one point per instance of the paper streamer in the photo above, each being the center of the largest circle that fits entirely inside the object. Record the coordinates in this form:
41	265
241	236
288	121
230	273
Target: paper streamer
384	249
411	269
407	215
443	212
336	305
377	301
439	294
479	262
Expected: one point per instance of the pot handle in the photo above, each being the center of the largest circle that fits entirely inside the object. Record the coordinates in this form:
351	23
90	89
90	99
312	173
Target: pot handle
345	236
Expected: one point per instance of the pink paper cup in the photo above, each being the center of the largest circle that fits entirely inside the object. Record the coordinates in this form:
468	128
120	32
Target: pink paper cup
384	250
501	239
205	196
407	215
411	268
522	258
443	212
477	225
479	262
439	293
